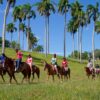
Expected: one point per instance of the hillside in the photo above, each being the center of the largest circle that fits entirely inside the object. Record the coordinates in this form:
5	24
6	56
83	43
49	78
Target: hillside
79	87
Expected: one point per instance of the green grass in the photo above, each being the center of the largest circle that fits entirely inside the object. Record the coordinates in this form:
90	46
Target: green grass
79	87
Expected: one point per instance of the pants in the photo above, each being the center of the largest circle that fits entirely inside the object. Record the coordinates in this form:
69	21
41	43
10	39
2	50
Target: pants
18	61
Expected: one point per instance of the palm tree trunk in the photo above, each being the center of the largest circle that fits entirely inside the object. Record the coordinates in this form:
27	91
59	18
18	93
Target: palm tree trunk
81	45
48	33
28	42
73	44
45	36
18	38
11	40
93	45
78	43
4	26
23	40
65	36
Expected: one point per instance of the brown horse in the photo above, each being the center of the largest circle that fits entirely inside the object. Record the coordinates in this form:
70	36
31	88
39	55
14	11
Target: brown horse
65	73
90	73
24	68
61	71
35	70
50	70
2	72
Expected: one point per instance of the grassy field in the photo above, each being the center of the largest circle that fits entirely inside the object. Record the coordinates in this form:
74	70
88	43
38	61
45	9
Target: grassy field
79	87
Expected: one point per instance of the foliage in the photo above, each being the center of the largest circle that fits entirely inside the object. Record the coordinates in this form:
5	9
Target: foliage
38	48
7	43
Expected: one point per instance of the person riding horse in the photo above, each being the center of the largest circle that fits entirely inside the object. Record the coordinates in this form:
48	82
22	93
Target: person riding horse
19	59
54	63
90	65
2	59
65	64
29	61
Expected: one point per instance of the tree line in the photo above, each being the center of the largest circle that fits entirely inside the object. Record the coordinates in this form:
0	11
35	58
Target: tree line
80	19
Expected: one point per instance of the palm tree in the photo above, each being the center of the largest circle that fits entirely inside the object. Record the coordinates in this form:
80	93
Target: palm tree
29	13
11	28
22	27
71	27
63	8
45	7
9	4
78	14
1	1
19	14
93	12
97	27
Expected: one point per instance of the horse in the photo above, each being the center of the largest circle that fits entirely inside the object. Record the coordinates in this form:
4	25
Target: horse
90	72
61	71
65	73
24	68
35	70
50	70
2	72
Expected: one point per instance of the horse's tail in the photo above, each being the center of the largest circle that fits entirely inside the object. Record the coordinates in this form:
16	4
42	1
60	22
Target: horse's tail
38	73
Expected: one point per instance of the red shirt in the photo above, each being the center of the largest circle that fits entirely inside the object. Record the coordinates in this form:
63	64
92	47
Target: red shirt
65	63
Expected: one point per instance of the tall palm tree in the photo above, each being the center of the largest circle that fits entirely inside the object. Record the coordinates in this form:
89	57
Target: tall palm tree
77	12
22	27
97	27
45	7
93	12
29	13
11	28
63	8
8	5
72	28
19	14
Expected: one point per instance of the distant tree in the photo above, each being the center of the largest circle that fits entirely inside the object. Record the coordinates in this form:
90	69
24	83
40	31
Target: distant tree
85	55
97	53
38	48
7	43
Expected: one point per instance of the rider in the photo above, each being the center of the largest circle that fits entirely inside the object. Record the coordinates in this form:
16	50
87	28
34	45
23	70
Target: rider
54	63
19	59
65	64
2	59
90	65
29	61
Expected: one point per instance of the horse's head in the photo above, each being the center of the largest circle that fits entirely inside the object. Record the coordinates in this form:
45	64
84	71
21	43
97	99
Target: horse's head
45	65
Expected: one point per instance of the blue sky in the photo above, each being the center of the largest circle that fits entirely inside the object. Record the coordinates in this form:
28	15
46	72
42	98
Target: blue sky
56	29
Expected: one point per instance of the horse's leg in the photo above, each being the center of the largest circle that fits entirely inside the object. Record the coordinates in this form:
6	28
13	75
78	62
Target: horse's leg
15	78
48	77
23	79
53	77
38	73
10	78
2	78
29	75
33	76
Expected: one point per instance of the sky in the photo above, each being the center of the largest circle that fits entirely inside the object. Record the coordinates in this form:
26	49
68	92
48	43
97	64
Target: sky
56	29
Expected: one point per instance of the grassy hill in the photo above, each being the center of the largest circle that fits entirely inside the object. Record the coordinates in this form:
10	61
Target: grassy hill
79	87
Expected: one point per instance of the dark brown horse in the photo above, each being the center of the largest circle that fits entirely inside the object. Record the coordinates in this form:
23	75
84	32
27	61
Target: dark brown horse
90	73
2	72
61	71
24	68
35	70
65	73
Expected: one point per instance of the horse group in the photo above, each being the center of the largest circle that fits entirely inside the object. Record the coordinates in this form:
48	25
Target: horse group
62	73
93	73
24	69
